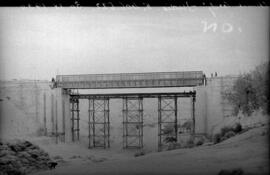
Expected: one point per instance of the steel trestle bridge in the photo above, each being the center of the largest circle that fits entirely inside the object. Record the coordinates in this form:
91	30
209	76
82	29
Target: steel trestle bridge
132	110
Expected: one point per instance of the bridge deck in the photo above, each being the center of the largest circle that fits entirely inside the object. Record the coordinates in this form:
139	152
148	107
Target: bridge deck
134	95
131	80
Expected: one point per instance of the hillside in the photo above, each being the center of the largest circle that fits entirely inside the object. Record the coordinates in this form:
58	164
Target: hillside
248	151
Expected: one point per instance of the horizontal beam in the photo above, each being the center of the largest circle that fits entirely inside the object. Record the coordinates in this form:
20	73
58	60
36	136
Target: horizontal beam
134	95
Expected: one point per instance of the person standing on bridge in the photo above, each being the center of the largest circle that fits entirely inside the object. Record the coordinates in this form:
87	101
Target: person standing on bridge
204	79
53	83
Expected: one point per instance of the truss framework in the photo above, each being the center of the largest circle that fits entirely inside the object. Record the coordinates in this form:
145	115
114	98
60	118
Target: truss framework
75	119
167	121
133	123
99	123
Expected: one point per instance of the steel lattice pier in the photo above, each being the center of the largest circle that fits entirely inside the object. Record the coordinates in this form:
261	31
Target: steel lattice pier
75	118
133	123
99	118
99	123
167	121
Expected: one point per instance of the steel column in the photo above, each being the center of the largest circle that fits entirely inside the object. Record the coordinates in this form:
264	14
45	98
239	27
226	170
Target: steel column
44	118
89	122
193	114
63	120
56	123
52	113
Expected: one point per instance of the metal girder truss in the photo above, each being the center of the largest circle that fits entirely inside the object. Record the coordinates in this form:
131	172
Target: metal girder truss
130	80
99	123
75	119
167	121
133	123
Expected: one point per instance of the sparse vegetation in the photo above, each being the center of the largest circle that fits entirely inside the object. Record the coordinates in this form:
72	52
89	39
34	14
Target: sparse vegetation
236	171
40	131
228	135
250	91
187	125
199	142
75	157
168	129
190	143
174	145
140	153
170	139
216	138
227	132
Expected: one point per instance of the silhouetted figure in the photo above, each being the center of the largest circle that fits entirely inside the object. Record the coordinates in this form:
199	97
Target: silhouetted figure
211	75
215	74
204	79
53	83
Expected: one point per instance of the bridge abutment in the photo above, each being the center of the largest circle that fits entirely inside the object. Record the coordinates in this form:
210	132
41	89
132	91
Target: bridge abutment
212	109
63	115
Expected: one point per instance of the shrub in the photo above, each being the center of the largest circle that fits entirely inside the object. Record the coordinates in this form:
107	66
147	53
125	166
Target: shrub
173	146
237	128
229	134
190	143
236	171
217	138
40	132
168	129
137	154
170	139
226	129
187	125
199	142
250	91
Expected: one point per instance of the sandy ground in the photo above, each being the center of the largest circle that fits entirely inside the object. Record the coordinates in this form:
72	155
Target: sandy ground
248	151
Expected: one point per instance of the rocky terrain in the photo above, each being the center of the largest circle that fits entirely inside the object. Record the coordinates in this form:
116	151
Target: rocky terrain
22	157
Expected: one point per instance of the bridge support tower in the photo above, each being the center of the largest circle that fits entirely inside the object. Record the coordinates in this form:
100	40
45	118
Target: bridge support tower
133	123
167	121
99	123
75	119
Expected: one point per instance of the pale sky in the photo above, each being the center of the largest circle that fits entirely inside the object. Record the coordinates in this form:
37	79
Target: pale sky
38	43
